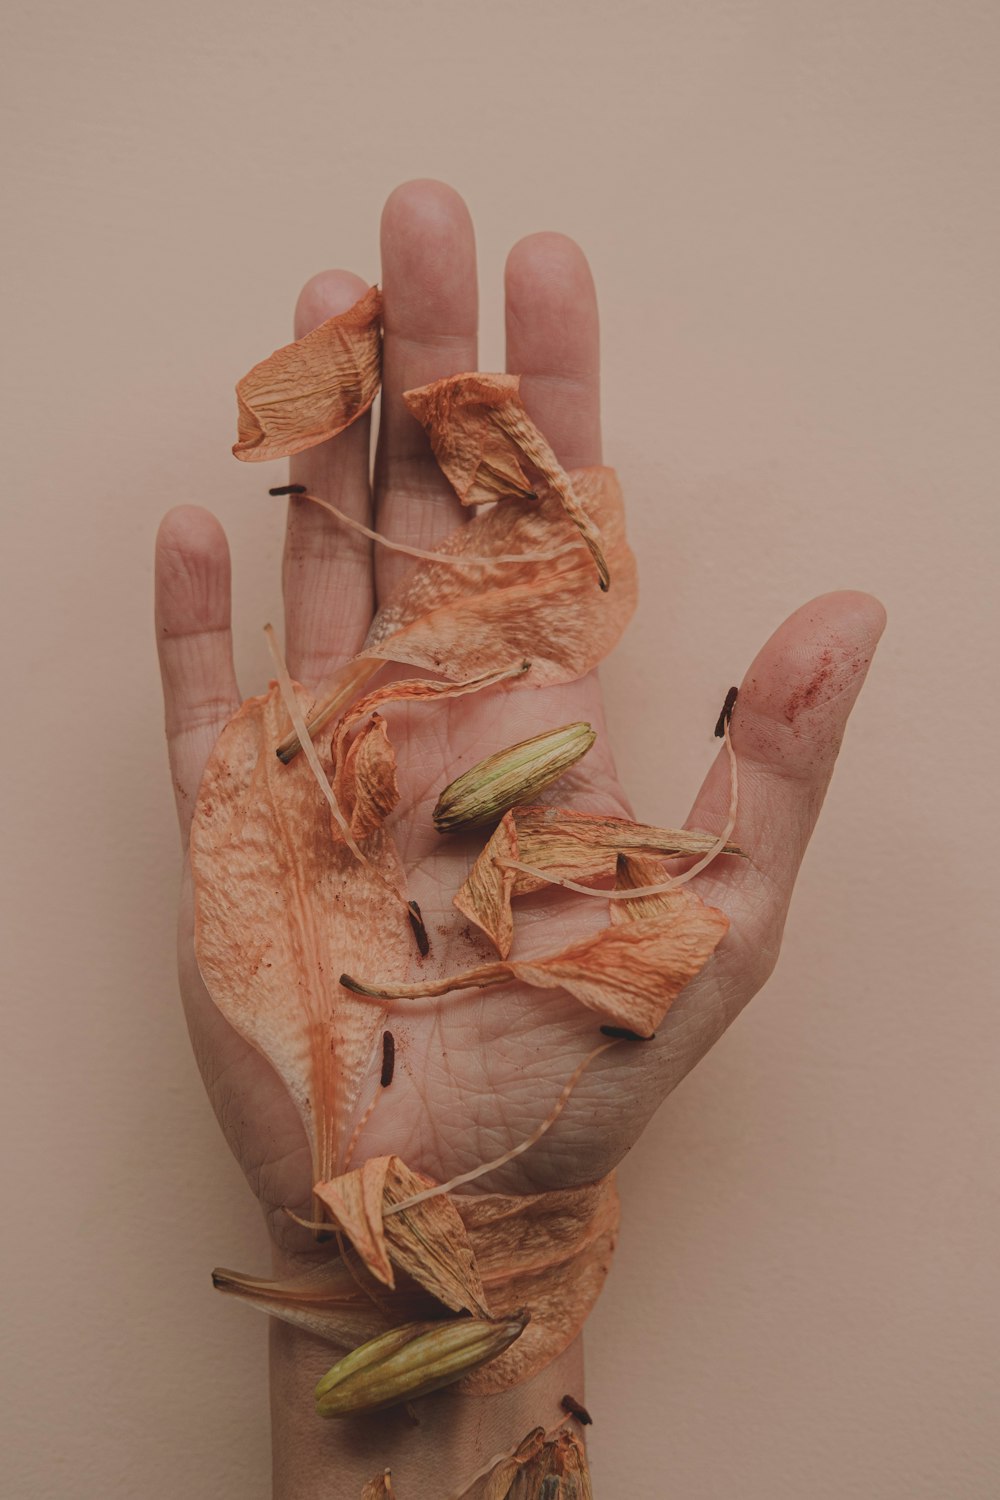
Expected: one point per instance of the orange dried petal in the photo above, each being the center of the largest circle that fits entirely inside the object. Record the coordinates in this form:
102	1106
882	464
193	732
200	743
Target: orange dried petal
485	896
366	786
563	844
629	972
463	622
428	1240
478	427
474	452
549	1252
471	621
279	907
312	389
379	1488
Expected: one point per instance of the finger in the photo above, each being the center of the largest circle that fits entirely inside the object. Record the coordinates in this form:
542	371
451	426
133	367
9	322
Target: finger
787	727
195	646
430	318
553	343
327	568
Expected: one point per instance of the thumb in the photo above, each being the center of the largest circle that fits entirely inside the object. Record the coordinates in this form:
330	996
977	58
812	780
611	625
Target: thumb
786	730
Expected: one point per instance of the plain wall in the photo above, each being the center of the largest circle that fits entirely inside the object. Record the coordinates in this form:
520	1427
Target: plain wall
791	212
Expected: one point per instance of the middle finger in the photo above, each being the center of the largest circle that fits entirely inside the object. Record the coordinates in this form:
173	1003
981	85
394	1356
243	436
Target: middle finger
430	320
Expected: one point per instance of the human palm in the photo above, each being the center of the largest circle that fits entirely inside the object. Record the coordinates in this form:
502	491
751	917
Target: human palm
478	1072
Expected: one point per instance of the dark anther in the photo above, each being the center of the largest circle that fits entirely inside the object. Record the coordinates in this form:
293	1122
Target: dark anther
582	1415
288	489
726	714
622	1034
419	930
388	1058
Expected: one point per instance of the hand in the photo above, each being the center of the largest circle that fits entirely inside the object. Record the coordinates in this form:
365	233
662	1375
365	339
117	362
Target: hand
476	1075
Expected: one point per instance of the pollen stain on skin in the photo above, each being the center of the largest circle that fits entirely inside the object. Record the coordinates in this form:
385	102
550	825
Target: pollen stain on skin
809	694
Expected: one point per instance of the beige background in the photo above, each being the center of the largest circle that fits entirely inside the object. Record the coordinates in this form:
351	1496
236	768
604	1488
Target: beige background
791	212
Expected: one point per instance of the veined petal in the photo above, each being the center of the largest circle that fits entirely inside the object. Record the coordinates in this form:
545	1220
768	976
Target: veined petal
312	389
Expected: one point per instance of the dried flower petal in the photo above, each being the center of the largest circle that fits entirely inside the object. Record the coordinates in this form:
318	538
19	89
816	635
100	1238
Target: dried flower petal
485	897
279	906
379	1488
561	843
556	1471
478	429
465	623
517	774
631	973
366	786
547	1252
309	391
428	1241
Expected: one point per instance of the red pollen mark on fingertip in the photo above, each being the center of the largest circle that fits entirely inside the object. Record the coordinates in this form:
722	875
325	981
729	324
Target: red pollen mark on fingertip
810	692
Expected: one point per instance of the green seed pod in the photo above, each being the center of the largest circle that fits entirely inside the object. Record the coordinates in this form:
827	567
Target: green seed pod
411	1361
510	777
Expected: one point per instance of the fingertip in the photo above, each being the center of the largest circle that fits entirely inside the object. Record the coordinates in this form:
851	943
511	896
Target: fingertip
434	207
553	257
429	264
324	296
799	690
192	571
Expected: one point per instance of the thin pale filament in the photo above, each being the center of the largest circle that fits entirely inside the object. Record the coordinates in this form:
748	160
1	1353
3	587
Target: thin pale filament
456	559
359	1127
525	1145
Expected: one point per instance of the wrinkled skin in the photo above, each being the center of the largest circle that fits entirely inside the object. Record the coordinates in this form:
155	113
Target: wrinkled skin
475	1075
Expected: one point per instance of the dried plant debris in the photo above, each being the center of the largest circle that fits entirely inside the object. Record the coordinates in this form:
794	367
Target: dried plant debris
428	1241
481	436
302	916
542	1468
558	843
309	391
468	622
379	1488
366	785
547	1252
279	902
630	972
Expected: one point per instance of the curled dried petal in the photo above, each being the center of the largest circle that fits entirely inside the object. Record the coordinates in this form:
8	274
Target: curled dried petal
428	1240
365	786
479	430
379	1488
312	389
559	843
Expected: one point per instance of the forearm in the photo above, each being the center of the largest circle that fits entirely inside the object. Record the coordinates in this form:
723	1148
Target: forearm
453	1438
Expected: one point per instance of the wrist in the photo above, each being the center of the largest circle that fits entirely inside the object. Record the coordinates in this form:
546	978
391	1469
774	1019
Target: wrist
453	1437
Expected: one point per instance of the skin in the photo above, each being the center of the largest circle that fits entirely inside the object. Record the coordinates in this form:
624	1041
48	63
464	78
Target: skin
474	1076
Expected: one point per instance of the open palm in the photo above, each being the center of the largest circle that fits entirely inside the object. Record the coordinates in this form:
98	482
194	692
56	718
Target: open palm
477	1072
